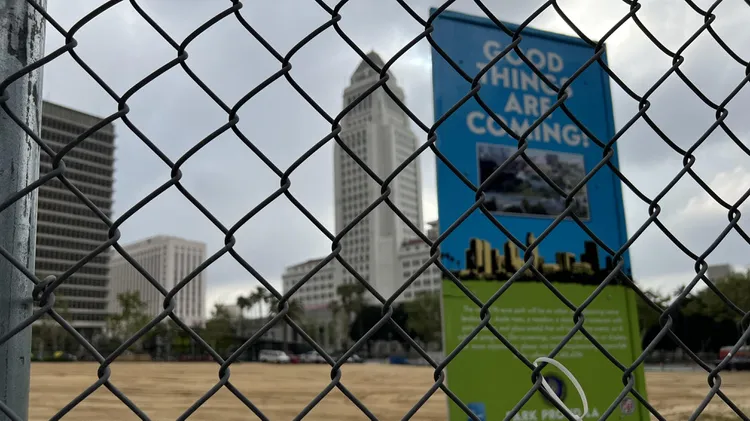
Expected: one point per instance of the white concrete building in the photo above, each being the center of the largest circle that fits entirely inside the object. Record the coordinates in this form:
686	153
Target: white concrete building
716	272
412	255
379	133
169	260
234	311
319	290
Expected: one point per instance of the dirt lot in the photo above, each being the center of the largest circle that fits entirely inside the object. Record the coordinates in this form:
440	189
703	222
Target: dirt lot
165	390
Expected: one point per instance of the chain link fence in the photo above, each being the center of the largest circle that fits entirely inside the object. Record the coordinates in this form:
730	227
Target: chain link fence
24	24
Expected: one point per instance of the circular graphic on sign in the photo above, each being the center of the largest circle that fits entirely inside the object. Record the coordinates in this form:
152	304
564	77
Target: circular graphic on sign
627	406
557	385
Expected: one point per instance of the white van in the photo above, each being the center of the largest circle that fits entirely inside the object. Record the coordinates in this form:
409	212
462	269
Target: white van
273	356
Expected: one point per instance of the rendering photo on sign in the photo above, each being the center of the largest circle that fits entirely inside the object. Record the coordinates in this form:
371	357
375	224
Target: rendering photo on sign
519	189
525	194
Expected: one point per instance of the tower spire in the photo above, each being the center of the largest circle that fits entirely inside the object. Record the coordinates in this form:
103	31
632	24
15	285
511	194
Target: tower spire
373	57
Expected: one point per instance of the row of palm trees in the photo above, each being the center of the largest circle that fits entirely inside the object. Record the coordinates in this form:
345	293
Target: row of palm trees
349	301
260	296
254	301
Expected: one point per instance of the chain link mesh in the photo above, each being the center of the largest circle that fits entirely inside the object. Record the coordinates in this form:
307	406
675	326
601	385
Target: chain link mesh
44	290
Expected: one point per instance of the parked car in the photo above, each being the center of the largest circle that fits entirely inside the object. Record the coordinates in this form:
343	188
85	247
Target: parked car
63	356
354	358
273	356
739	361
312	357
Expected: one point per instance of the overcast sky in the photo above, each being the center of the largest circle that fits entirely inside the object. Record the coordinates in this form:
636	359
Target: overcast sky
230	180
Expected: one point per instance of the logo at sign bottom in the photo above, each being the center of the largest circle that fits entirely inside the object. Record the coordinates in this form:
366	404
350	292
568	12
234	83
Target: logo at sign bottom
627	406
557	385
478	409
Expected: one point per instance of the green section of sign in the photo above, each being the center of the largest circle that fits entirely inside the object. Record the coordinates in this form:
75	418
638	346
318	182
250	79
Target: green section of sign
489	376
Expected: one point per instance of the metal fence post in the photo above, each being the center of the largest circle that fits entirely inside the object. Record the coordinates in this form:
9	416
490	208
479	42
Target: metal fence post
22	43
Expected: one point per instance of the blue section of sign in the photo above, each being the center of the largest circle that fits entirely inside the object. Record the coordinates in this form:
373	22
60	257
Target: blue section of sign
476	145
478	409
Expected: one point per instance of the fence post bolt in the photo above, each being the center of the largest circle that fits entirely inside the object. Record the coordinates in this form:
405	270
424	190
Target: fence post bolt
21	44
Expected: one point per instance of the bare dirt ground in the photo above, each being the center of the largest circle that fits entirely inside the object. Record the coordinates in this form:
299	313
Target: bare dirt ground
165	390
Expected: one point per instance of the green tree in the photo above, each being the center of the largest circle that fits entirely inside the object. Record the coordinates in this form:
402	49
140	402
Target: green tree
219	330
296	309
351	302
702	320
158	340
257	298
369	316
424	317
351	297
296	312
243	303
131	319
648	317
335	325
48	336
706	302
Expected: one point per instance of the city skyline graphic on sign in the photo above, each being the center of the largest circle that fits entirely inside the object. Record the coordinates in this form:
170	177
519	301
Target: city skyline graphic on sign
482	261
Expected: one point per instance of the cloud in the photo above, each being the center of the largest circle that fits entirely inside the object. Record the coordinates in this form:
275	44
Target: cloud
230	179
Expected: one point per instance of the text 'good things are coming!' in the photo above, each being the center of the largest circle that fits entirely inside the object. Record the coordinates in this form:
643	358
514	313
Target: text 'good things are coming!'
529	97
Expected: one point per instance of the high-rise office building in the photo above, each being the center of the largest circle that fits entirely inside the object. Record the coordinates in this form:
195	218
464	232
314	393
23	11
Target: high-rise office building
378	132
719	271
168	260
67	230
381	247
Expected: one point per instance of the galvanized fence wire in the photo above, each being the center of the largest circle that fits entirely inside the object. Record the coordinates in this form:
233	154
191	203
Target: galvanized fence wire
44	290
